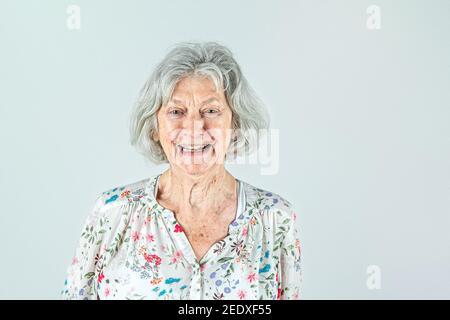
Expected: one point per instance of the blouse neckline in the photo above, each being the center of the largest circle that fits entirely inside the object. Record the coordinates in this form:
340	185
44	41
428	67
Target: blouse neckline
239	192
243	215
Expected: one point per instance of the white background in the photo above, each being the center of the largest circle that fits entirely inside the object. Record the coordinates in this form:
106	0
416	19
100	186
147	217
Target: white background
363	117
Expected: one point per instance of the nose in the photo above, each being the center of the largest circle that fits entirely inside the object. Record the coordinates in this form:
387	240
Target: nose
193	121
193	128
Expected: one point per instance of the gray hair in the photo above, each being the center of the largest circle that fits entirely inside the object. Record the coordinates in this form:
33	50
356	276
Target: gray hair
210	59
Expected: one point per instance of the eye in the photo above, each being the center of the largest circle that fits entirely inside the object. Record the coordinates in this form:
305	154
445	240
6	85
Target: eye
175	112
211	111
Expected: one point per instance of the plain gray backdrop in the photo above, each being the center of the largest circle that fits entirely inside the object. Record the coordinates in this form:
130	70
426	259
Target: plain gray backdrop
363	117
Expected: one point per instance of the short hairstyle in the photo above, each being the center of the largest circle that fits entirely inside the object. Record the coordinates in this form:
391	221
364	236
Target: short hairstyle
210	59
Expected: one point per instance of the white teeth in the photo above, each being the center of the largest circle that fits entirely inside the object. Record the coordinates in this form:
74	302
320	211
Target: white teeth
190	148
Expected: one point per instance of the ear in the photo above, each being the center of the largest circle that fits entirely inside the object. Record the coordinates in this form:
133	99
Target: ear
154	135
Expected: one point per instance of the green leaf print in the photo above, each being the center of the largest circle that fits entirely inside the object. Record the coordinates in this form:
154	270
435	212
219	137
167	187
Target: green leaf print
224	259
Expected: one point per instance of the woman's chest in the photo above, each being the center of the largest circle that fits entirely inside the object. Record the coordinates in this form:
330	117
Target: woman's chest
202	236
238	267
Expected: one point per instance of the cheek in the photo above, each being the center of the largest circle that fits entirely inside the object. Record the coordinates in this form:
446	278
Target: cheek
172	134
168	132
221	137
221	131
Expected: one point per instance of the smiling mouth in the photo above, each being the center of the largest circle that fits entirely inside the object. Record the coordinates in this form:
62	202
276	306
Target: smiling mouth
192	149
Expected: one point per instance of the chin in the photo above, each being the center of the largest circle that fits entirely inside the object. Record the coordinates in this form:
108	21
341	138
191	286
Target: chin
196	169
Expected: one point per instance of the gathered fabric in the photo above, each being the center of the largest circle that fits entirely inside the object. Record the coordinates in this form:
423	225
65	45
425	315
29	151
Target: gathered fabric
131	247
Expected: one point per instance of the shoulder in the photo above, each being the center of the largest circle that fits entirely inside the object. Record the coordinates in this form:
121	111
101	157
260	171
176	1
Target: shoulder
124	194
270	202
117	200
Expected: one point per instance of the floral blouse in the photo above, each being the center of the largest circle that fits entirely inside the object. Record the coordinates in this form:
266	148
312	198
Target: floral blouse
133	248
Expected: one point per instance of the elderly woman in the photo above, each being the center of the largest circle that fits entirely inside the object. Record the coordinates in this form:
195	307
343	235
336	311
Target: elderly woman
193	231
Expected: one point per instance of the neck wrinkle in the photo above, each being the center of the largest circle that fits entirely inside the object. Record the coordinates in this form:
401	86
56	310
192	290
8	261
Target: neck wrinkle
206	192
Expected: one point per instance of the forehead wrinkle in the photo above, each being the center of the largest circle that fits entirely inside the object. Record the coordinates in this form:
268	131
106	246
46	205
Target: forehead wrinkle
179	102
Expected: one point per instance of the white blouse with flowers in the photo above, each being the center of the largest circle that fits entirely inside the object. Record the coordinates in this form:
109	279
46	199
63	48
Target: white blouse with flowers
133	248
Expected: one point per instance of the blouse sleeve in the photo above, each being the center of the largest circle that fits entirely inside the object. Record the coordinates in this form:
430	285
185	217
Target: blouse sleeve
290	262
82	273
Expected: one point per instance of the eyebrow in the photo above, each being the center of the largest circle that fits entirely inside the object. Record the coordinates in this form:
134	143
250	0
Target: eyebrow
203	103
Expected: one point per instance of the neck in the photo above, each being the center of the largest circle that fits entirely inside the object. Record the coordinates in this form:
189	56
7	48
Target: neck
199	193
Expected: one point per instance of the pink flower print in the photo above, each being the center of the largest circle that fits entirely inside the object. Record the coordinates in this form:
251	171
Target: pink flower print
176	256
135	236
279	287
150	237
241	294
178	228
298	245
153	258
74	260
101	276
295	216
202	267
107	291
147	220
244	232
251	277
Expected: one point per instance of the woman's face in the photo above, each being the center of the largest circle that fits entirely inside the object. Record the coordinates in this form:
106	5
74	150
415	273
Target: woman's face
194	128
